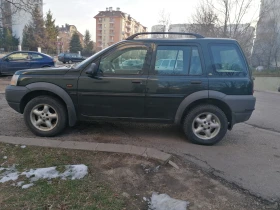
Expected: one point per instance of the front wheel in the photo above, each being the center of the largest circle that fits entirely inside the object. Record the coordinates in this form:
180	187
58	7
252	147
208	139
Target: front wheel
205	125
45	116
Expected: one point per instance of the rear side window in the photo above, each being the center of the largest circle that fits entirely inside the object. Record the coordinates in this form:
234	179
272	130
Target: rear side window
35	56
227	60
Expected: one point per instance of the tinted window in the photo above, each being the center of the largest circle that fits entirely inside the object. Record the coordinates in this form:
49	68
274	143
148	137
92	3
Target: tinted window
175	60
172	60
124	61
36	56
18	56
195	67
227	60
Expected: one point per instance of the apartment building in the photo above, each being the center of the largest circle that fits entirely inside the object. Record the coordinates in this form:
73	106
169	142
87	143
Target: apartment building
65	34
113	26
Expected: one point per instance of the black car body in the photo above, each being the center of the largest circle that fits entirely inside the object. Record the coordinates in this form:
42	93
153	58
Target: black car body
70	58
20	60
207	91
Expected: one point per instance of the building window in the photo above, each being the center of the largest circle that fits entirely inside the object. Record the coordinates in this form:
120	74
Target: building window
111	20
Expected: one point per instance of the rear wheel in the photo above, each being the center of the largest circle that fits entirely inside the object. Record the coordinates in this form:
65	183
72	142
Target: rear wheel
205	125
45	116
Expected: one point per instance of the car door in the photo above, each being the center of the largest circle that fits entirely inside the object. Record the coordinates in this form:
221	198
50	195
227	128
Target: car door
118	91
168	87
37	60
14	62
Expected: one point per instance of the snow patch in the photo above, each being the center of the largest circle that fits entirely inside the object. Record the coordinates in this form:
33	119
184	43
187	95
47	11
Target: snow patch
19	184
23	146
5	157
165	202
75	172
71	172
41	173
27	186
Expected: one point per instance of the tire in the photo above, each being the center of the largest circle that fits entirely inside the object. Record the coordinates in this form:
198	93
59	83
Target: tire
64	62
210	122
51	121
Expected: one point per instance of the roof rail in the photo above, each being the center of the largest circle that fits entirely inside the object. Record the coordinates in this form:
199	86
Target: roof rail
198	36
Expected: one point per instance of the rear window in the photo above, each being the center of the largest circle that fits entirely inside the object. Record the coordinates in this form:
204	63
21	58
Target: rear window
227	60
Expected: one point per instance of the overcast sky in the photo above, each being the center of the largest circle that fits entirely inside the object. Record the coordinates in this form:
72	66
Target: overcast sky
81	12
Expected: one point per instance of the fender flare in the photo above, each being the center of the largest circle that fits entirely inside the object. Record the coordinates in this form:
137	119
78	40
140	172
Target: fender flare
204	94
72	116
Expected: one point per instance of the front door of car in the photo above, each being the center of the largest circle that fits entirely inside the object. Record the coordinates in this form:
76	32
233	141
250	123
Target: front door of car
118	91
15	62
168	87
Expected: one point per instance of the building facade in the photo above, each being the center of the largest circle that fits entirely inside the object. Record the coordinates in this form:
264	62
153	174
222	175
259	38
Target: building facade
266	51
65	34
113	26
15	18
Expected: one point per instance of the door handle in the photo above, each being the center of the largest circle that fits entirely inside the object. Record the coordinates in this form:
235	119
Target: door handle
196	82
136	81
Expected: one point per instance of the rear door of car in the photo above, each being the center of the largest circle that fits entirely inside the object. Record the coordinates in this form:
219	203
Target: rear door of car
36	60
168	87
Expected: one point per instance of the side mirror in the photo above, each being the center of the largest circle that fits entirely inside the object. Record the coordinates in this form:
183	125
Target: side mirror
92	70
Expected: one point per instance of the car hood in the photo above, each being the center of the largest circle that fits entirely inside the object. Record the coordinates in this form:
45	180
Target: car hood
44	71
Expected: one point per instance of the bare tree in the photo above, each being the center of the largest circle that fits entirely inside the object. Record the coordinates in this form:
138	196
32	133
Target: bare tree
163	24
10	7
227	19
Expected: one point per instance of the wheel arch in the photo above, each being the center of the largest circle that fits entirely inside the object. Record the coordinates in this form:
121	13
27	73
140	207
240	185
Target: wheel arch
199	98
43	88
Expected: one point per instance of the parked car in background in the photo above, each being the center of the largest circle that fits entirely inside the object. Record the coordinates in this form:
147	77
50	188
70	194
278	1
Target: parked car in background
20	60
207	89
70	58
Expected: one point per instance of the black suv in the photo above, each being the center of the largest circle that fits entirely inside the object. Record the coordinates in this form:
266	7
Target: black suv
70	58
202	84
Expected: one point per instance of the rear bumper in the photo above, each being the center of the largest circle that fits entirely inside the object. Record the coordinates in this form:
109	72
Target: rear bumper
14	95
242	108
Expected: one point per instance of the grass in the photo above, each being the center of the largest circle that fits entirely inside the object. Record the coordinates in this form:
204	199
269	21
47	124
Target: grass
89	193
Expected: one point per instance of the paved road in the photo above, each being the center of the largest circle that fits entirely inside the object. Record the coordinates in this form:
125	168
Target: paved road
249	156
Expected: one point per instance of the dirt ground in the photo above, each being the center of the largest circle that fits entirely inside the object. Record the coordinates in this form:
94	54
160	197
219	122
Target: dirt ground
132	178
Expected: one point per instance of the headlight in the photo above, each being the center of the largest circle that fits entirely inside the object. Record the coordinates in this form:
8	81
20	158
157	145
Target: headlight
14	80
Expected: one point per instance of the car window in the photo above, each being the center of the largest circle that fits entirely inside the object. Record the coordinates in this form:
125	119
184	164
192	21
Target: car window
18	56
227	60
35	56
195	67
172	60
126	61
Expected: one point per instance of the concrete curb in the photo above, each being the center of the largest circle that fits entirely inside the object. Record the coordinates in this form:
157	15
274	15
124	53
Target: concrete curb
91	146
2	92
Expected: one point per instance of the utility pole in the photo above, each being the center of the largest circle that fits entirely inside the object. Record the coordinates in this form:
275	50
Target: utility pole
57	44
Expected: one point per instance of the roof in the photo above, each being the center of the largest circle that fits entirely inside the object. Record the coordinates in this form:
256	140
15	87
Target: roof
110	14
183	40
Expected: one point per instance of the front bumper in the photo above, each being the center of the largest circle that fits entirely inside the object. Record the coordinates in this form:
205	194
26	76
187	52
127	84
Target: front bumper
14	95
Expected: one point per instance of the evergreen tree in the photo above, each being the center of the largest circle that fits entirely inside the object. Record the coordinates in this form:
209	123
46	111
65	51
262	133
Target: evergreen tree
75	44
7	40
51	32
39	31
88	50
27	37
